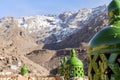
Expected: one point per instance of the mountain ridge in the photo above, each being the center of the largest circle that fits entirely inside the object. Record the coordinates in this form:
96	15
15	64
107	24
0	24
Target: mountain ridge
54	35
49	29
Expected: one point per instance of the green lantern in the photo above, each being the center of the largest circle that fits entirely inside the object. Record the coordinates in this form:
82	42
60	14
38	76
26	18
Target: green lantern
104	48
24	70
73	67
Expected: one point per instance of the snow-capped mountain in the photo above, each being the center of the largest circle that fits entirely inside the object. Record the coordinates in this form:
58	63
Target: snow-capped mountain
51	28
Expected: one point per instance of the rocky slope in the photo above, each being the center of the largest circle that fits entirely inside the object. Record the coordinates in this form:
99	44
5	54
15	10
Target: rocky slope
79	40
57	33
49	29
84	34
50	59
14	45
14	39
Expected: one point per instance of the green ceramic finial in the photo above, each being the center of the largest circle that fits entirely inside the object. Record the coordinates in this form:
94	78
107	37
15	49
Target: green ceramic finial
73	53
65	60
114	10
24	70
61	62
61	70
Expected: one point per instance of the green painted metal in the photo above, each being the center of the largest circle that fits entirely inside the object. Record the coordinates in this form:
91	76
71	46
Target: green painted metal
24	70
73	67
104	48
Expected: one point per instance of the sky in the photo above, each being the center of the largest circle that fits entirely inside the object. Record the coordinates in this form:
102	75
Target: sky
17	8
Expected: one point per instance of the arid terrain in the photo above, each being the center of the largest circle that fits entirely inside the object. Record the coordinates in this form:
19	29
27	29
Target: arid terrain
42	54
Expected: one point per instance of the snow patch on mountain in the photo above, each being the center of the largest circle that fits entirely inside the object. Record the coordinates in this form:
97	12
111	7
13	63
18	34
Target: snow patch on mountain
51	28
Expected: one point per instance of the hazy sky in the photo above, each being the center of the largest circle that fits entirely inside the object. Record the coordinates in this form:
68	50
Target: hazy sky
32	7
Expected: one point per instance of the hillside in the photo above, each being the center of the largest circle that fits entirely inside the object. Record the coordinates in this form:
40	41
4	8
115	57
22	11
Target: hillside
82	35
14	45
78	40
42	41
48	29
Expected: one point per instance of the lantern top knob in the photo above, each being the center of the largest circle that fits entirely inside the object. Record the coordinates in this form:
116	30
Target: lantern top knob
73	53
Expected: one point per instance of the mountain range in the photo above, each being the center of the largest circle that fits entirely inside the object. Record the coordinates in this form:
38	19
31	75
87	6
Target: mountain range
46	39
50	29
